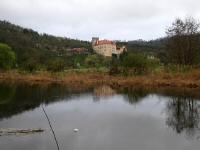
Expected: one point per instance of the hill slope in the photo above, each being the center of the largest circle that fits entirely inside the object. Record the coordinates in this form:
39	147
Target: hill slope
29	44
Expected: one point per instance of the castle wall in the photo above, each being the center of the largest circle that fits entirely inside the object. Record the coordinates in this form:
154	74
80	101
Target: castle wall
106	48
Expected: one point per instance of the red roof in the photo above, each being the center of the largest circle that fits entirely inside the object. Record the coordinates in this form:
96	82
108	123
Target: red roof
102	42
79	49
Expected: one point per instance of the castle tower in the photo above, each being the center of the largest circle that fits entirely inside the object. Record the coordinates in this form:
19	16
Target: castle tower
94	40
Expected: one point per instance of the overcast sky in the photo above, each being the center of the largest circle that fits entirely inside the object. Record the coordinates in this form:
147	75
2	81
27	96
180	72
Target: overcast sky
108	19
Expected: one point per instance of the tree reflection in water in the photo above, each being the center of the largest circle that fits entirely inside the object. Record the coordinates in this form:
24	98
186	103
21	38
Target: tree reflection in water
183	115
135	95
183	111
103	91
17	98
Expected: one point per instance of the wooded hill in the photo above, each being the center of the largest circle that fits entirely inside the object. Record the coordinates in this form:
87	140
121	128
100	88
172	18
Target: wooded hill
28	43
20	39
34	49
154	47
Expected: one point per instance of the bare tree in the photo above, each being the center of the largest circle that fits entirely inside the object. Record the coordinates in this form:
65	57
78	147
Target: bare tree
183	41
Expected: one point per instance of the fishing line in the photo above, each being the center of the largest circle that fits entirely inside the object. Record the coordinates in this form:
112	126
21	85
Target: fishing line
54	135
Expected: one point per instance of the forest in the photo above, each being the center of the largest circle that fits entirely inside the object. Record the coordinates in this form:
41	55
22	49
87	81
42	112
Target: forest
28	50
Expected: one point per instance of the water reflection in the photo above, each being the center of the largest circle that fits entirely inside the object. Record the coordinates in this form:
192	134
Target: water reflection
182	110
6	93
183	115
134	95
111	123
17	98
103	92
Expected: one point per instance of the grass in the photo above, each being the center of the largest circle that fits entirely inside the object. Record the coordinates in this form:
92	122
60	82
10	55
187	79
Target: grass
93	77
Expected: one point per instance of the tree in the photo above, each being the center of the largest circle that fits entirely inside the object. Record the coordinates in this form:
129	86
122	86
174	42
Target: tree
31	65
183	41
135	63
56	65
78	60
30	60
134	60
183	115
7	57
114	66
34	50
97	61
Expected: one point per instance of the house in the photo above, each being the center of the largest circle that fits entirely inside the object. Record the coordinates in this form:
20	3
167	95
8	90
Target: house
80	50
106	47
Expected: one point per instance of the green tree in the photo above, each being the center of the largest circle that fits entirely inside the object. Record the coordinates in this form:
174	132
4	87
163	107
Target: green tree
56	65
34	50
78	60
139	63
7	57
114	66
31	65
134	60
93	61
30	60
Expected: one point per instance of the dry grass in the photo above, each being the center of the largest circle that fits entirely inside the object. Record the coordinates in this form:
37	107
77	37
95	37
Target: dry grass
161	79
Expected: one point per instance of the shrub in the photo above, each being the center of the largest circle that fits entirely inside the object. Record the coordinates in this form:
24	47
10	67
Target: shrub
139	63
114	66
7	57
136	61
97	61
56	65
31	65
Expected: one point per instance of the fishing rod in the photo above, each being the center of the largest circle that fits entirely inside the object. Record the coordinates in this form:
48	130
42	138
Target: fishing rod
49	122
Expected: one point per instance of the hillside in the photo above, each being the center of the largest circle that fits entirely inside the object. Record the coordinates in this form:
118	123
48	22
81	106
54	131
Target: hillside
156	47
29	44
35	50
148	46
152	46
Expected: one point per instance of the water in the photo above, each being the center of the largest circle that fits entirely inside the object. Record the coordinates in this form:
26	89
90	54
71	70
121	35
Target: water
106	120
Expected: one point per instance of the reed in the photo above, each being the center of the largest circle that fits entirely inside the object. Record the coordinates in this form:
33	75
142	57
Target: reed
189	79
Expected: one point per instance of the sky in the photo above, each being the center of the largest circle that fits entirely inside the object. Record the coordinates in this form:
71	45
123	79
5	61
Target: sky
107	19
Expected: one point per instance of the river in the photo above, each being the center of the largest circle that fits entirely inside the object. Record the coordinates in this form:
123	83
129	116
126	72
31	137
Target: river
105	119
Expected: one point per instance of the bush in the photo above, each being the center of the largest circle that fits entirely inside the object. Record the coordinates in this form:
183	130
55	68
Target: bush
78	60
153	63
136	62
7	57
139	63
97	61
31	65
114	66
56	65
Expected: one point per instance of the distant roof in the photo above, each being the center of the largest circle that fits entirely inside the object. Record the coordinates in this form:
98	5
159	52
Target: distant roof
102	42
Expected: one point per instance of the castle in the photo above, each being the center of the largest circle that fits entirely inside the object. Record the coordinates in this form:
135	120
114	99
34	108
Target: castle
106	48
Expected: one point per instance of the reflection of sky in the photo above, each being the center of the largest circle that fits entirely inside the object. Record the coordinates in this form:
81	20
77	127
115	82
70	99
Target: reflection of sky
108	124
151	105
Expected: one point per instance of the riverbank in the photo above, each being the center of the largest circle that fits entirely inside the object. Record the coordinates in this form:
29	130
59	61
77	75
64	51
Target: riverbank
90	79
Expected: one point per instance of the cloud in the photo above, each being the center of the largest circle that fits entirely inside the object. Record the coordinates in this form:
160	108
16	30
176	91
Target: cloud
115	19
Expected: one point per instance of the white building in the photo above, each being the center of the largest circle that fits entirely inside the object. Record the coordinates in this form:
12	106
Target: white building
106	48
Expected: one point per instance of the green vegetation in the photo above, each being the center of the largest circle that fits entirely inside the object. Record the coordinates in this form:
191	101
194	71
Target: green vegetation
56	65
7	57
156	47
134	64
135	60
97	61
139	63
178	52
34	50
